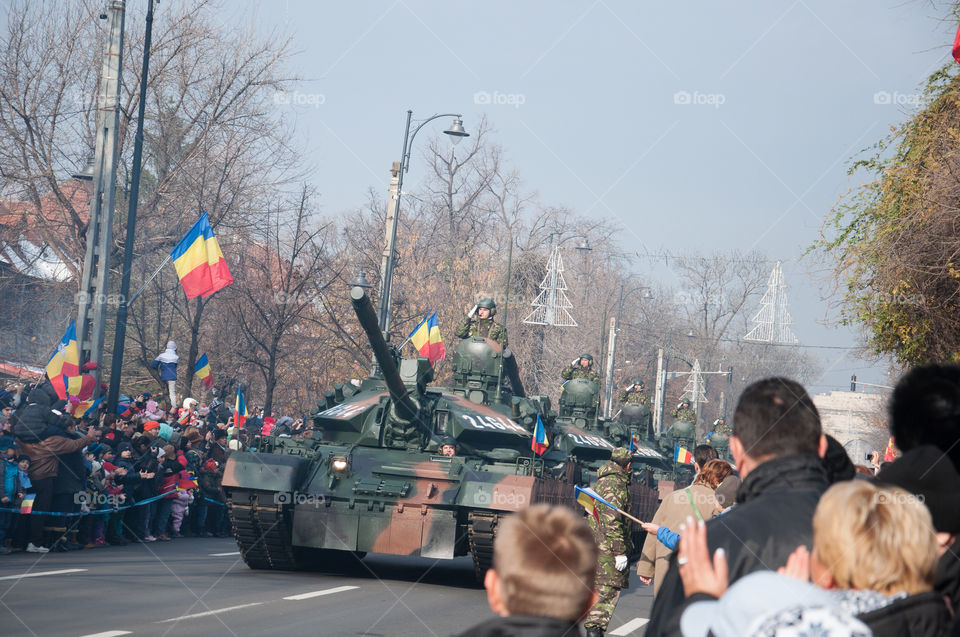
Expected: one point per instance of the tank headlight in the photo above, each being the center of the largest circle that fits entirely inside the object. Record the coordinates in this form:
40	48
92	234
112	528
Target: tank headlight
339	464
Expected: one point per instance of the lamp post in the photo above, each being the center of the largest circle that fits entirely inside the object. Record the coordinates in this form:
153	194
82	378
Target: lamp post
612	349
456	132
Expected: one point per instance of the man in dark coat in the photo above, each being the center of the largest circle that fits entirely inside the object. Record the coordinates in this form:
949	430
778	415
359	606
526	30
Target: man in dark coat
777	445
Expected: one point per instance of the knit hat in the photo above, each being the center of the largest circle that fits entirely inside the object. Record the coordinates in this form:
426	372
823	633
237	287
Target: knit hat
151	425
124	446
203	409
928	472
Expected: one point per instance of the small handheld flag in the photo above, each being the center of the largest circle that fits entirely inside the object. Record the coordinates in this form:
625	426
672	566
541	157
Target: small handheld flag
26	506
199	262
681	455
66	360
240	410
426	338
587	503
202	370
588	493
539	443
890	453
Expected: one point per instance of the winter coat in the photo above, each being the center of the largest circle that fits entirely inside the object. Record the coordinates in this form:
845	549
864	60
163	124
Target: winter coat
43	454
33	422
919	615
523	626
166	362
673	511
10	483
946	579
169	470
773	516
71	471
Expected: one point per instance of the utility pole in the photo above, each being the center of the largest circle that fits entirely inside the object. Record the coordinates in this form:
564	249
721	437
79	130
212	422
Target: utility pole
95	281
611	349
386	267
116	365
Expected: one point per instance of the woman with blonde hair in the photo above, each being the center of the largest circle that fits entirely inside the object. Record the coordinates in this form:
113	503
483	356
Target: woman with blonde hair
873	561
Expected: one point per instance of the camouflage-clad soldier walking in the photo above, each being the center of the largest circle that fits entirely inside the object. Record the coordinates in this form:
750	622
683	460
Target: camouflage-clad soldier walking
613	539
581	367
634	394
479	322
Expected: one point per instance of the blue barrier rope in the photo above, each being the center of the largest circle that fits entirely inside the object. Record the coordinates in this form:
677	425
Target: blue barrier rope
101	511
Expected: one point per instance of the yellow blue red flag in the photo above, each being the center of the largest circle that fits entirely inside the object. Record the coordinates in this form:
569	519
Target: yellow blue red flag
66	360
426	338
682	455
202	371
240	410
540	443
200	263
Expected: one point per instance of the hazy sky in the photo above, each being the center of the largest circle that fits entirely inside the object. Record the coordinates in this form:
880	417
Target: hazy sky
698	125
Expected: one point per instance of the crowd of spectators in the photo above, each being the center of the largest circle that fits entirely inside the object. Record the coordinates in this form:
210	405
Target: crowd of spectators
810	544
150	472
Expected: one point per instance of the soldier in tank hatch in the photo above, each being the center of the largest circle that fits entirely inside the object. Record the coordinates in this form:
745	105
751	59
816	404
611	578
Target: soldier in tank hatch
580	367
479	322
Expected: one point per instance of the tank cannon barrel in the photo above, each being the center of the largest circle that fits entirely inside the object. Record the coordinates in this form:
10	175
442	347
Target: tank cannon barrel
513	373
405	405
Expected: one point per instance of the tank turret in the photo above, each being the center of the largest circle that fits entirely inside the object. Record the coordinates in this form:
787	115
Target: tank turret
578	401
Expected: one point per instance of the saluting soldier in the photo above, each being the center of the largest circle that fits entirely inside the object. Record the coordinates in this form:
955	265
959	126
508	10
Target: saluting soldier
479	322
634	394
581	367
685	412
613	539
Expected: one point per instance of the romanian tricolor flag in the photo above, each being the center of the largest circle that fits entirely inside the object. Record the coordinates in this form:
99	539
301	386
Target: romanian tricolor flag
26	505
587	503
66	360
539	444
202	371
199	261
240	411
186	481
426	338
681	455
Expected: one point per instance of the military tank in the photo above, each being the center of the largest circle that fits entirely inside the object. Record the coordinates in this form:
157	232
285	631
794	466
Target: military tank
370	478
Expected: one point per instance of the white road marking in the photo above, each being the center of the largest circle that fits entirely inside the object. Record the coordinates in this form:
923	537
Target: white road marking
224	554
209	612
42	573
329	591
629	627
110	633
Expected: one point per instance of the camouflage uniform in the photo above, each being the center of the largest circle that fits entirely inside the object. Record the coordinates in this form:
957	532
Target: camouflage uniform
486	328
575	371
613	539
634	397
685	413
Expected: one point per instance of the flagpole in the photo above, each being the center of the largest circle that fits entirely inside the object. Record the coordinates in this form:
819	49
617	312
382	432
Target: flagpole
147	282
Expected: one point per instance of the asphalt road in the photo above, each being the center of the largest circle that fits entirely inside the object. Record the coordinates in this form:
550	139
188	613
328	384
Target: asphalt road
196	586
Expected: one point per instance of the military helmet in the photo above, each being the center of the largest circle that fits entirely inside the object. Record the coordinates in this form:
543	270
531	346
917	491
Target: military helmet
685	401
448	440
589	357
638	381
488	303
621	455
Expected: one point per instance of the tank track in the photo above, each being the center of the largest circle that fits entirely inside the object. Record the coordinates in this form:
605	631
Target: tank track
263	532
481	531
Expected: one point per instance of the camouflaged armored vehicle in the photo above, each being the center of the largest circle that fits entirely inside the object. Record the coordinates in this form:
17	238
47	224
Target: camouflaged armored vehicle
371	477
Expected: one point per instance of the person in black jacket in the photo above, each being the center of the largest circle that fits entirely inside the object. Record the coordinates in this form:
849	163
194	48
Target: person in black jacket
542	580
925	410
778	446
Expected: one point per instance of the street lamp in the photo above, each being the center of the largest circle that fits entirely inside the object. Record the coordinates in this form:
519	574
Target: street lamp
85	173
360	281
456	133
